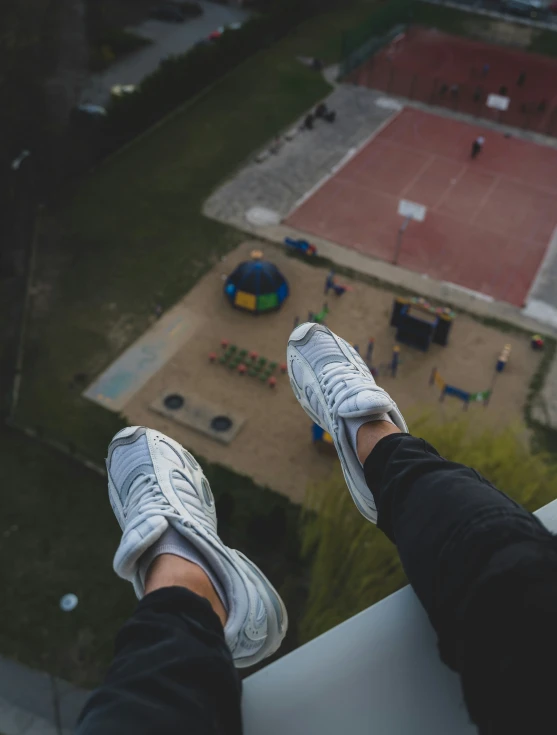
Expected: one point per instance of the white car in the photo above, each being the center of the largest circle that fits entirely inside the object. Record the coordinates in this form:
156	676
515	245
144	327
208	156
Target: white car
119	90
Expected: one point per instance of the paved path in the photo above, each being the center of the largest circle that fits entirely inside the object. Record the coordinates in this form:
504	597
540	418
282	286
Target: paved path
145	357
280	181
168	38
35	703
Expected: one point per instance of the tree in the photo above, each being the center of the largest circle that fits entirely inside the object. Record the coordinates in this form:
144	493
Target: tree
353	565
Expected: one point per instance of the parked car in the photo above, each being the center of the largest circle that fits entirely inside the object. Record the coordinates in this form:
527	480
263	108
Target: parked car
119	90
221	29
170	13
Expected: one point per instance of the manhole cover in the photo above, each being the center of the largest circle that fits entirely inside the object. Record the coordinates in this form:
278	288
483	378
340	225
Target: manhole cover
221	423
174	401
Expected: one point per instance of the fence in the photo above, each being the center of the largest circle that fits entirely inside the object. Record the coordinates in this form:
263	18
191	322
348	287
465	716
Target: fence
358	44
470	98
541	17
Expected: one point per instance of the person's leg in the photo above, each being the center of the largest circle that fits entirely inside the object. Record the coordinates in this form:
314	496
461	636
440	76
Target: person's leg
204	608
172	668
484	568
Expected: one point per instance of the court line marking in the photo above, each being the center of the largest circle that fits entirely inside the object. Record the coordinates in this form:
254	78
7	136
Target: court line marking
448	190
423	168
512	179
490	189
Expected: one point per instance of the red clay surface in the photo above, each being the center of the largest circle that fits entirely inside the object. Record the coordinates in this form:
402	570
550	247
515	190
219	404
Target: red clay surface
488	223
418	65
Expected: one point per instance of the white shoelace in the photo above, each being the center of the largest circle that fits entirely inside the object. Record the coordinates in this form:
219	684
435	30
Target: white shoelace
145	499
340	382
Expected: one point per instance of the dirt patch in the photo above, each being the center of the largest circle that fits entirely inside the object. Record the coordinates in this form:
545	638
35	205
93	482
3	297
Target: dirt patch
274	447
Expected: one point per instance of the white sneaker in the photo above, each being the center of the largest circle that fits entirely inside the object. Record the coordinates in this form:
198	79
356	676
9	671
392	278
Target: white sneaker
154	483
332	383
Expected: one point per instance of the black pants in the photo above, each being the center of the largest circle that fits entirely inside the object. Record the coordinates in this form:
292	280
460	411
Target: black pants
455	533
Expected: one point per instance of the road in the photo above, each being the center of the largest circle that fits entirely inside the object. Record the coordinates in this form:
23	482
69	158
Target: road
168	38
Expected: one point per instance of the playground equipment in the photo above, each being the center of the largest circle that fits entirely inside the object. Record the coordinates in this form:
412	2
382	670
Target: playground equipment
369	351
320	317
330	283
321	437
301	246
256	285
390	367
395	361
503	358
537	342
419	323
248	363
466	397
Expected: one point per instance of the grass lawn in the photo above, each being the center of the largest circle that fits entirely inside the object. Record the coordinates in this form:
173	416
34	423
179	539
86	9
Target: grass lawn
132	235
58	535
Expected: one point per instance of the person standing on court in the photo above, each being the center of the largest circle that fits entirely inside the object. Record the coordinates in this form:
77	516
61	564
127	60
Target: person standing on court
477	146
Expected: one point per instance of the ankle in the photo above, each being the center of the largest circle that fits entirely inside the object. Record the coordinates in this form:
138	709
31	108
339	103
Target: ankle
371	433
168	570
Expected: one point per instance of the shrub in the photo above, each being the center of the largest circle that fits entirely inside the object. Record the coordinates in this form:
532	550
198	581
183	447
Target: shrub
112	44
353	565
180	78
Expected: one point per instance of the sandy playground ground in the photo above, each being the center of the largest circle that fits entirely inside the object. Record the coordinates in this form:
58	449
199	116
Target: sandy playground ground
274	446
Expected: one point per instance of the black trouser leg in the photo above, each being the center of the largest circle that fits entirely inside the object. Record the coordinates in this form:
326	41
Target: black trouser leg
456	535
172	673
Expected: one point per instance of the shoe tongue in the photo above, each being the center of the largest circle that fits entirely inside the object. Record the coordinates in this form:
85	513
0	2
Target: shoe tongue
365	403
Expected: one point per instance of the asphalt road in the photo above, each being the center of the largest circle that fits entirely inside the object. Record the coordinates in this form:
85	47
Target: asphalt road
168	38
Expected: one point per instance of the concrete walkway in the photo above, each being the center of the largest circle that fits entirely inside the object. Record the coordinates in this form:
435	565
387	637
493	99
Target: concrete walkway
35	703
167	38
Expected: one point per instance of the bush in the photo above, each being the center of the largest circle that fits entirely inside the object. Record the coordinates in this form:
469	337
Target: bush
190	9
180	78
112	44
353	565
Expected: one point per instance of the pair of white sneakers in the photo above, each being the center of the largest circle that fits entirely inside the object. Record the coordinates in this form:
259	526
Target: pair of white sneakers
155	484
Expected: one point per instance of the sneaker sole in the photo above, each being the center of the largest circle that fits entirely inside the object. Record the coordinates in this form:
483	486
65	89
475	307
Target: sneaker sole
277	623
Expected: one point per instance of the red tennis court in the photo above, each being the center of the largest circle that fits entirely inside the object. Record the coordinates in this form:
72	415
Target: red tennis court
488	222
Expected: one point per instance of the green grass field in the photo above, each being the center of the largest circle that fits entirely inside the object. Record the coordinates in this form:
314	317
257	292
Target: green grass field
58	535
132	235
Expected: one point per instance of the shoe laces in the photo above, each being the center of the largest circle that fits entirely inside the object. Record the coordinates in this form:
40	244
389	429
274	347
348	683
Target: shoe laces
339	382
147	498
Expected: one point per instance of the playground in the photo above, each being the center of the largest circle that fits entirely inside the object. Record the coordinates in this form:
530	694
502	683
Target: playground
497	210
274	442
434	67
